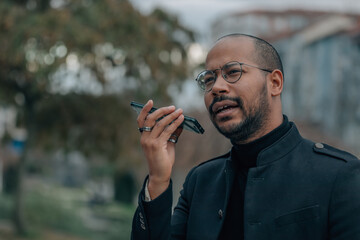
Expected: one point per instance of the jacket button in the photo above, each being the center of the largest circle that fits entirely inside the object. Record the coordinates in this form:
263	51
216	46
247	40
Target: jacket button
220	214
319	145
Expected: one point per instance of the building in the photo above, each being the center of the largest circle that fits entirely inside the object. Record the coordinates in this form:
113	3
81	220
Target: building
321	56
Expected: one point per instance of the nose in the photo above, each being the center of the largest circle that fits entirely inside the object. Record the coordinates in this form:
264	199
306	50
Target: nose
220	86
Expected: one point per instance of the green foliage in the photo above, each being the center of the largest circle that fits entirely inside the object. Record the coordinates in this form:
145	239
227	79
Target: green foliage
45	213
63	210
119	220
5	207
48	211
111	52
71	71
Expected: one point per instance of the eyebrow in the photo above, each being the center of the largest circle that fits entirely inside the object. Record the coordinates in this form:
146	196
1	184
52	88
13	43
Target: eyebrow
232	61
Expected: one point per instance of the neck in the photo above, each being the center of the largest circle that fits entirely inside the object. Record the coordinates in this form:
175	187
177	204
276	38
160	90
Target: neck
245	154
268	127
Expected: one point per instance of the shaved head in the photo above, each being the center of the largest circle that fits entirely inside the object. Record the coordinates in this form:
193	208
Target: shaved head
265	54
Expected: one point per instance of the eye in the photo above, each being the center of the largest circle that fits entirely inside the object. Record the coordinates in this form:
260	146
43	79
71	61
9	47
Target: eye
233	71
209	80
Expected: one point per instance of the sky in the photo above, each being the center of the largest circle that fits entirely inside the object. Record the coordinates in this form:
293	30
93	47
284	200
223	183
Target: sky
199	14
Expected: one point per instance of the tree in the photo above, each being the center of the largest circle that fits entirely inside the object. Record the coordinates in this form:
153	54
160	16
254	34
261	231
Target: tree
72	67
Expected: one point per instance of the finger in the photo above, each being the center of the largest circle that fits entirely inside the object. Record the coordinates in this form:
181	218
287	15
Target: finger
173	128
160	113
175	135
162	124
178	131
144	113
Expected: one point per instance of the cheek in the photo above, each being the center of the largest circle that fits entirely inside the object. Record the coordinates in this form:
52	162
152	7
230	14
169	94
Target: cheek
207	100
244	87
250	90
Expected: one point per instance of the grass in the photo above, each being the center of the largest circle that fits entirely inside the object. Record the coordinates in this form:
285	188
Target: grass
54	212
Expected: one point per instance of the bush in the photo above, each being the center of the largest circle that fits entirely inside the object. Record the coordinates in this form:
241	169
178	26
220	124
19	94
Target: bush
67	211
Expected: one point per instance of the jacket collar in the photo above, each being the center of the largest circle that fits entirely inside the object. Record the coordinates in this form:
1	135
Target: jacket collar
277	150
280	148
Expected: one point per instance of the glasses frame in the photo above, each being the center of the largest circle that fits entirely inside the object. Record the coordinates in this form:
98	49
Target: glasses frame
225	76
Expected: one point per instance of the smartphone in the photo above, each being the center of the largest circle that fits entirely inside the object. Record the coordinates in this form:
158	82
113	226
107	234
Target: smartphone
190	124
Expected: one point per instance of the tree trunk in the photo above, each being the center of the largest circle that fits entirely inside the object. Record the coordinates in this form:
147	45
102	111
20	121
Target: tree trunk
19	206
19	218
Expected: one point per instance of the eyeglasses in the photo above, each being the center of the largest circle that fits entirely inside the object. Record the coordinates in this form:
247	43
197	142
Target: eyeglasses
231	72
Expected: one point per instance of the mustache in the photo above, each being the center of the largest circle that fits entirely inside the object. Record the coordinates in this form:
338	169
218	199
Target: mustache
222	98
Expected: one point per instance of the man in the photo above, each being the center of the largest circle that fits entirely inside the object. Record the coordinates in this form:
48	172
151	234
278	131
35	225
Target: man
273	184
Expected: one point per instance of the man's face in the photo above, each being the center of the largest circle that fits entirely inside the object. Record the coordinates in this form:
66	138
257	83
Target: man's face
238	110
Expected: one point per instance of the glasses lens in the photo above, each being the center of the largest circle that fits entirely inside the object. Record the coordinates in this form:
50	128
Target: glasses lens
232	71
206	80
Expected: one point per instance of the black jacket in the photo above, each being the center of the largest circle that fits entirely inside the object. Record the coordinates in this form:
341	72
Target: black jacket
298	191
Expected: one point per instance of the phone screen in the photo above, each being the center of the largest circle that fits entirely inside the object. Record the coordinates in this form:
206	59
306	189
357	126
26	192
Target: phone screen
190	124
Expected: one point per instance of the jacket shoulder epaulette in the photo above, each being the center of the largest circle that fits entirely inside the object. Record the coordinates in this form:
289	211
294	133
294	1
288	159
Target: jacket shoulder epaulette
330	151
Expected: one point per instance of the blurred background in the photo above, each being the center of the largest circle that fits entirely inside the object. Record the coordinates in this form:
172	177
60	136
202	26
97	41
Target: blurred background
70	161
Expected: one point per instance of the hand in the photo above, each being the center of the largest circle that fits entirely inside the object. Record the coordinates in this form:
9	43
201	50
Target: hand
159	151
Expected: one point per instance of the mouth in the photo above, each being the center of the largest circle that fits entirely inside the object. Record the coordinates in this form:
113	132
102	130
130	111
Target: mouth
223	107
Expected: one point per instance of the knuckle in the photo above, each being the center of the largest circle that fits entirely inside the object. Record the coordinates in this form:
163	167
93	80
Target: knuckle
169	128
149	117
159	124
143	142
153	145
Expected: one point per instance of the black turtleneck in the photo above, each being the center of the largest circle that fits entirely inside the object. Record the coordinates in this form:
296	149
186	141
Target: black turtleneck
243	157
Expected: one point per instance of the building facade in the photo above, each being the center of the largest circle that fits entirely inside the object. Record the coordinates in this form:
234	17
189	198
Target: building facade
321	57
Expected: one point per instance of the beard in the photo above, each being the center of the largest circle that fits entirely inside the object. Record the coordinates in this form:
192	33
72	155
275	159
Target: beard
255	117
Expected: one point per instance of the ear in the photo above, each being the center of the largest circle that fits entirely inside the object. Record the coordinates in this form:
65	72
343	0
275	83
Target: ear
276	82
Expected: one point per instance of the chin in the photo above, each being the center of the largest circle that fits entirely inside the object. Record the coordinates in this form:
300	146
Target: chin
227	126
227	122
